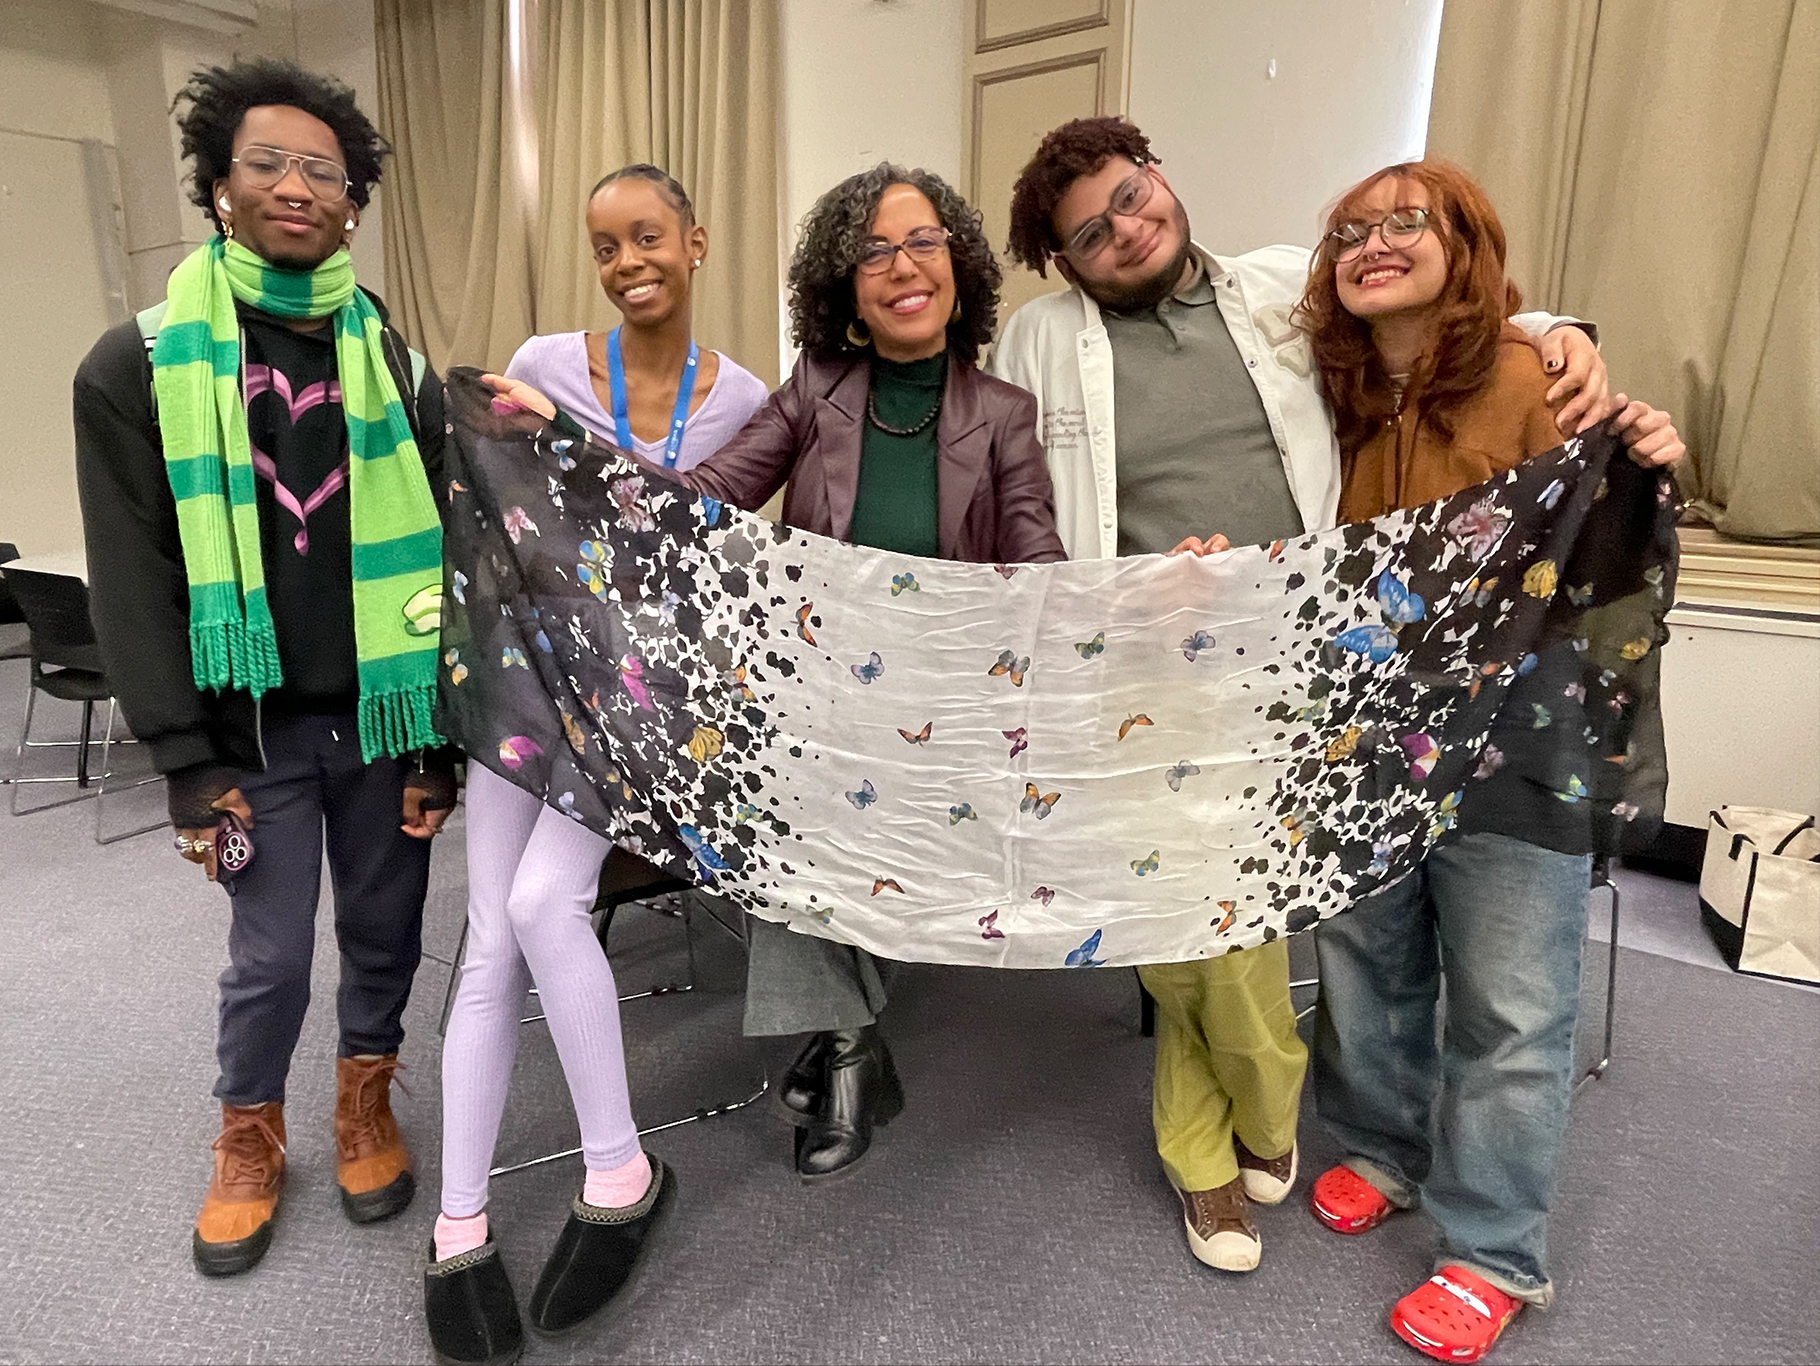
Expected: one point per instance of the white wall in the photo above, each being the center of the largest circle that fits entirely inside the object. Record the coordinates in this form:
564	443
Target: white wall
335	37
864	81
1257	157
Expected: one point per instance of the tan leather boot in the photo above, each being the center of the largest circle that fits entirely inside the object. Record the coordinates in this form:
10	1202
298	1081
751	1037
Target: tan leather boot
234	1227
372	1165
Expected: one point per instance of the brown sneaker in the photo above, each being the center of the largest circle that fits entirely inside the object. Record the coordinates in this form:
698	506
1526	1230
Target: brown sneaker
1220	1230
1267	1180
234	1227
372	1165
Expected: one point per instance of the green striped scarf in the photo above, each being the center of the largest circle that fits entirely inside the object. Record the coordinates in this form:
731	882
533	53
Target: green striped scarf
397	540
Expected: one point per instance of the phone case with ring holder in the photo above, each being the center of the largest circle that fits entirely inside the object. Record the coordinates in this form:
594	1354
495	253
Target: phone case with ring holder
233	850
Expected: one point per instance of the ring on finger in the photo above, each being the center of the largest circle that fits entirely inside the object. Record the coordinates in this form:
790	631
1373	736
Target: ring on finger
186	844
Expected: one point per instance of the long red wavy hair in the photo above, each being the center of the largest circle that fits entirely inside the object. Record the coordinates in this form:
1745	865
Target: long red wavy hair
1465	320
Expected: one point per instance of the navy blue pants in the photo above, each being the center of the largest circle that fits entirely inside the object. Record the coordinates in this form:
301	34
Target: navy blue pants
316	793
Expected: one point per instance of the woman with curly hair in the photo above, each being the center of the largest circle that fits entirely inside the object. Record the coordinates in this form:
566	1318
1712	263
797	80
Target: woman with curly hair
1433	392
886	435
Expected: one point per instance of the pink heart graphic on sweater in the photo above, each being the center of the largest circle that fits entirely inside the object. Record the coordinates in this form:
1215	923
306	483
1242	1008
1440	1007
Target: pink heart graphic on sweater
262	379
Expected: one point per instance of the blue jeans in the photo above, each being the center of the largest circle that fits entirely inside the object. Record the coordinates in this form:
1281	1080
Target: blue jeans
1470	1126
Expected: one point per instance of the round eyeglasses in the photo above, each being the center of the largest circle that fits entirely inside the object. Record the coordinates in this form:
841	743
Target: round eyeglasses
264	167
1398	228
1093	236
922	244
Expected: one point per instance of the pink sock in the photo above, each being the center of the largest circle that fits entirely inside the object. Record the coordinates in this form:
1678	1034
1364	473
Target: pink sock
456	1236
622	1186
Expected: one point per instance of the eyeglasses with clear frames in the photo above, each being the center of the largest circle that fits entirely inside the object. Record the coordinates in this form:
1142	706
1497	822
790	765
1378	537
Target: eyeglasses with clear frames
1093	236
921	244
1398	228
264	167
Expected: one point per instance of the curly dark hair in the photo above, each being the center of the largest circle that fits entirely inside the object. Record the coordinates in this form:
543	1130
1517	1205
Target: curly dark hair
1079	147
219	96
821	268
667	185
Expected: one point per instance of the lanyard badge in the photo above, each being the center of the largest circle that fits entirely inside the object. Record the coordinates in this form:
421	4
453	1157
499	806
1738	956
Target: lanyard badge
679	416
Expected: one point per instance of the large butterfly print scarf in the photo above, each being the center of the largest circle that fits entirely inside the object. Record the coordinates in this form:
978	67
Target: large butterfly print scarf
1106	762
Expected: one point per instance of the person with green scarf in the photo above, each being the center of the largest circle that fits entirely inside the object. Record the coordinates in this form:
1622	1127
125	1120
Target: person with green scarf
256	456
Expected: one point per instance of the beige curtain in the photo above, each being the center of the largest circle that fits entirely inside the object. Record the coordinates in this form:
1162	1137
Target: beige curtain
688	85
457	240
1657	165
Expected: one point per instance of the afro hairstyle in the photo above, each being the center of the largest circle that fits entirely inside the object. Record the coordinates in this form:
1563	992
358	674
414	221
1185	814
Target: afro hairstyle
1077	148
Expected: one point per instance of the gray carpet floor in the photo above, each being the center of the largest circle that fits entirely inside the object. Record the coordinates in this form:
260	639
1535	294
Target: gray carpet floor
1015	1213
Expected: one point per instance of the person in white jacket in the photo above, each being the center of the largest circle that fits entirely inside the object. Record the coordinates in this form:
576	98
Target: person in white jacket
1180	409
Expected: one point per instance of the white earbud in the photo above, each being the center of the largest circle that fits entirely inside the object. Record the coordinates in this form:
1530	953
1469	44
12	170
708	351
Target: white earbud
350	225
222	201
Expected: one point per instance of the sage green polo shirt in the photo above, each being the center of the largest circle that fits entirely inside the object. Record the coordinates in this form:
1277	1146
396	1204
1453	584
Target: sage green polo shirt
1195	454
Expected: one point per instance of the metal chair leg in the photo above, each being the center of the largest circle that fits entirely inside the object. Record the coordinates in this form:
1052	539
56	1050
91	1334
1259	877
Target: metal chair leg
1597	1070
107	742
19	779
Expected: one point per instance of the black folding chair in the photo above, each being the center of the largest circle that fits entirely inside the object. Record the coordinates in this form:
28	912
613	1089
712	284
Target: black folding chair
66	666
626	879
1601	877
15	639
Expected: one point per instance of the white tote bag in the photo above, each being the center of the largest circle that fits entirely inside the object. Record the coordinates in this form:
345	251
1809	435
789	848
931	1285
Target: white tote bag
1760	891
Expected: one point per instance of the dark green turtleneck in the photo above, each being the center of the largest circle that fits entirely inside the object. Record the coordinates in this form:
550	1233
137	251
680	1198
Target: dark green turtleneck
896	505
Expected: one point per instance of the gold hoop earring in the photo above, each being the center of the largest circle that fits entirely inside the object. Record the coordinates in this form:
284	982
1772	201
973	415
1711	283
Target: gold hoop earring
955	316
227	229
859	334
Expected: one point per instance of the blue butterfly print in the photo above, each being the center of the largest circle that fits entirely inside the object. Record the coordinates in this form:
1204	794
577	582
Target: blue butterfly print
1380	858
564	461
459	584
711	509
542	642
1377	643
1087	649
871	669
904	583
1196	643
1083	956
1526	665
1575	790
511	655
1552	495
963	812
1398	602
706	859
866	795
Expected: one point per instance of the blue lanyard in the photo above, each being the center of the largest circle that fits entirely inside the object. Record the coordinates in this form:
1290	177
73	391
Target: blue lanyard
616	379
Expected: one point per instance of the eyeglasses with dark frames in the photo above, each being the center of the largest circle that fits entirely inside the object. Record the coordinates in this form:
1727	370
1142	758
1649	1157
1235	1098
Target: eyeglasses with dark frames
1093	236
919	244
264	167
1398	228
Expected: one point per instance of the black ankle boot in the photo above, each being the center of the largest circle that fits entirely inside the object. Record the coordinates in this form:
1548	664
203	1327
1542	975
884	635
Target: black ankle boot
863	1091
470	1308
597	1254
805	1081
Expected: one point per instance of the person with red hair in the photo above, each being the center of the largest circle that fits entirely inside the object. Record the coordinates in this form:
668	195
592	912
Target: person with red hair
1432	392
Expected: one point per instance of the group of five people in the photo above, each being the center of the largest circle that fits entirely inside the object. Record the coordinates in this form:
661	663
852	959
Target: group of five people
253	450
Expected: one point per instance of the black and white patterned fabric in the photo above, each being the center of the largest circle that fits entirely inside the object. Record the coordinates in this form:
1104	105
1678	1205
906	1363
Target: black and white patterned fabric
1108	762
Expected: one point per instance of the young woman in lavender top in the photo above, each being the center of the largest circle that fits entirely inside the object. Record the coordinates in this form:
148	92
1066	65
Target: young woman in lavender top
532	873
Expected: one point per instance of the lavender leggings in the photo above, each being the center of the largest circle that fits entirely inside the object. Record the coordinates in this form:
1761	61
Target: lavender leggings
532	874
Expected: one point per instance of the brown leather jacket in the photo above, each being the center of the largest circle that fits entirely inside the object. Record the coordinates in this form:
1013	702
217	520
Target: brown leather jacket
1406	464
996	504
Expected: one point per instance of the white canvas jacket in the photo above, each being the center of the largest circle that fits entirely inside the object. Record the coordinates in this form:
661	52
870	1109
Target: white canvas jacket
1057	348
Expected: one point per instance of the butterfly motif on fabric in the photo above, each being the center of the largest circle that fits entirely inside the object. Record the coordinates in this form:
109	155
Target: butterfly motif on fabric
1398	602
1004	571
1380	858
1480	528
1526	666
560	449
1177	772
455	487
458	585
1540	578
1230	911
707	861
872	669
711	509
917	737
516	524
1581	596
592	570
962	812
886	884
1544	718
627	497
865	796
1447	815
1143	867
1091	649
1138	719
1343	747
1046	895
1491	759
1293	824
1423	752
1083	956
577	737
705	742
1552	494
739	681
1040	802
1576	790
515	749
1010	664
1018	741
1276	551
513	657
904	583
632	675
1479	591
1196	645
989	926
802	623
